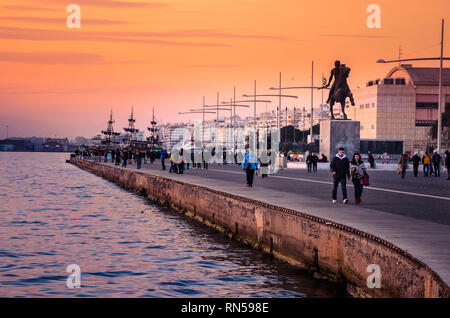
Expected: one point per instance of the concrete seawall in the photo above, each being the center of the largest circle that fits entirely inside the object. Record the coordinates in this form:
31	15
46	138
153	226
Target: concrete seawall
333	250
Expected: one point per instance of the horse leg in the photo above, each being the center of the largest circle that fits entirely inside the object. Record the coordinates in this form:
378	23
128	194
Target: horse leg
352	101
343	109
331	109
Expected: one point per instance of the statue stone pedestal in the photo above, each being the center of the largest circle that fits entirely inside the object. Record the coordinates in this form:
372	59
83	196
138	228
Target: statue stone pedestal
339	133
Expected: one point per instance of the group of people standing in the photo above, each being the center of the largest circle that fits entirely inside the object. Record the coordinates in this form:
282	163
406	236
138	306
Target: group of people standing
127	156
311	162
431	163
250	166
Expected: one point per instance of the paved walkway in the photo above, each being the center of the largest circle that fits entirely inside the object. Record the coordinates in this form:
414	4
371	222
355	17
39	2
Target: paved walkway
428	241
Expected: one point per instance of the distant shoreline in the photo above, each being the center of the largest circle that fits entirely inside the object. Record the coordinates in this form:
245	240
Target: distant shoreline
36	151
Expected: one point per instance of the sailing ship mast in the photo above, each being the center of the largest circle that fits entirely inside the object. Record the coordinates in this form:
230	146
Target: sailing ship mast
131	129
109	132
154	138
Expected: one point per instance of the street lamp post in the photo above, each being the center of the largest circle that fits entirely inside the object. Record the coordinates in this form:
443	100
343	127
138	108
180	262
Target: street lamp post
232	108
280	96
254	101
203	112
312	87
441	59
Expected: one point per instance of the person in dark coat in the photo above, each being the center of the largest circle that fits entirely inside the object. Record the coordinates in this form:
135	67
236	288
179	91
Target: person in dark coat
403	164
436	160
118	157
152	156
371	160
447	163
309	162
205	162
340	168
416	162
314	160
163	158
125	159
224	155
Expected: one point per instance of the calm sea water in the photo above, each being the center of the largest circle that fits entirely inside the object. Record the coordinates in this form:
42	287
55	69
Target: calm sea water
53	214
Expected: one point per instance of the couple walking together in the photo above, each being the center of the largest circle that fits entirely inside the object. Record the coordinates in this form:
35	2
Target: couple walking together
355	170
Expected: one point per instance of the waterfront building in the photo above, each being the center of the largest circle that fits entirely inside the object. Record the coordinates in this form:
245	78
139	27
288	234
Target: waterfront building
55	145
403	106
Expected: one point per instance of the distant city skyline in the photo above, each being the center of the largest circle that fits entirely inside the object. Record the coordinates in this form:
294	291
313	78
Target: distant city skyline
63	82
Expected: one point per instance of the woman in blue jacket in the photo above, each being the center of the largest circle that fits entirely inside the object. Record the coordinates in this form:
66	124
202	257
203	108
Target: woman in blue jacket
250	165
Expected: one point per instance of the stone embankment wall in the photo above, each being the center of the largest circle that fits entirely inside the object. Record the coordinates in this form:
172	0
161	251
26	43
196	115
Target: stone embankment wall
323	247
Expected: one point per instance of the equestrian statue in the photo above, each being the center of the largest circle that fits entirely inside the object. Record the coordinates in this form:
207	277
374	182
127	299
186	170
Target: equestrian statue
339	91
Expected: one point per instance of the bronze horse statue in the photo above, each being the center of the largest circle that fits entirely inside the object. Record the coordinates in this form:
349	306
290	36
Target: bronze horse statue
339	90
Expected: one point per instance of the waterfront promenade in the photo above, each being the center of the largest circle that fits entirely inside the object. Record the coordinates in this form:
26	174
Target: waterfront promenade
413	214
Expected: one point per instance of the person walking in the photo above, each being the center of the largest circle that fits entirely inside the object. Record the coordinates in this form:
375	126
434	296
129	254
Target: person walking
125	159
139	160
265	163
224	155
205	163
384	158
118	157
426	160
314	160
250	165
340	168
173	166
403	164
447	163
371	160
357	171
152	156
309	162
180	161
436	160
163	158
416	162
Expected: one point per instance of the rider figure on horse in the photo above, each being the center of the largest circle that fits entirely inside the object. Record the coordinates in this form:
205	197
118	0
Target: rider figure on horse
339	90
338	70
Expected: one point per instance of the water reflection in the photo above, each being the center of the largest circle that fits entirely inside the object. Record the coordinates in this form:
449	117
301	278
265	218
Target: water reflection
53	214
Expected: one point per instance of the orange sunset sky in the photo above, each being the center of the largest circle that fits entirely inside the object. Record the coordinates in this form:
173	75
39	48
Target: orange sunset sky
167	54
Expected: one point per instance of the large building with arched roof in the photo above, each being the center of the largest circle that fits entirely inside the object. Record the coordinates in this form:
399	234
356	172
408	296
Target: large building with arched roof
403	106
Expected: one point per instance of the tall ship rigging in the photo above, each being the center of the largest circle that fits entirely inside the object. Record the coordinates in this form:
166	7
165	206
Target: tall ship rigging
131	130
111	141
154	141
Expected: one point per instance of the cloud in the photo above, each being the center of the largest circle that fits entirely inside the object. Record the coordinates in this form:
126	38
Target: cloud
115	4
61	21
74	35
60	58
51	58
199	33
27	8
145	37
209	66
351	36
